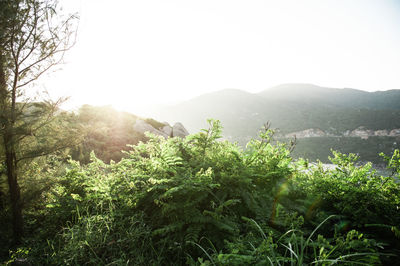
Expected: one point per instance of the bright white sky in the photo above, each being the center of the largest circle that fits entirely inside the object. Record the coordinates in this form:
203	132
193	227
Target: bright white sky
136	53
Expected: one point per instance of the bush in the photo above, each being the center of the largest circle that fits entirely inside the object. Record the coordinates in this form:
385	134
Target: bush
199	200
365	201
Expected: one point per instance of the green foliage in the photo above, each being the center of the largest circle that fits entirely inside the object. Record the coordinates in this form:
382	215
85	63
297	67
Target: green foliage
356	191
295	248
202	201
200	187
393	163
18	256
364	199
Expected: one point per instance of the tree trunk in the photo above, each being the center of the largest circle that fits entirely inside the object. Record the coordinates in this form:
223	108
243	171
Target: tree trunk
14	190
7	120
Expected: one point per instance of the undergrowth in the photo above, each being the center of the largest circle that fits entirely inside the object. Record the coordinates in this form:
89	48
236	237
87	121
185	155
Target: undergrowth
202	201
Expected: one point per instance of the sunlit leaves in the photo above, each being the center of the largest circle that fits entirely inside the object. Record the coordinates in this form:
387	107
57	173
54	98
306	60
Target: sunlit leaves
199	199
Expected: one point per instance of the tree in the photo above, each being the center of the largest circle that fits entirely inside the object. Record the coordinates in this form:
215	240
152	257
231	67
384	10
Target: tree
33	39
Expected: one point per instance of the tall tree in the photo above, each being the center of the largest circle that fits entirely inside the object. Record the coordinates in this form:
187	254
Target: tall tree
33	39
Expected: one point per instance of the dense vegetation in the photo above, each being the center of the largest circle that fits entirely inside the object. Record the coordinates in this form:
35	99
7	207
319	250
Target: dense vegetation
203	201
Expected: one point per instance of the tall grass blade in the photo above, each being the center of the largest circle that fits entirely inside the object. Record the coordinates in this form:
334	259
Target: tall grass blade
208	255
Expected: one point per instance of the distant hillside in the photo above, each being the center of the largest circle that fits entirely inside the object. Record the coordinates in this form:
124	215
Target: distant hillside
344	98
290	108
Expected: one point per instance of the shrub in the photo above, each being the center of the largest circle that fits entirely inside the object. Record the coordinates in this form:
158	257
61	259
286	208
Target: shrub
365	201
200	200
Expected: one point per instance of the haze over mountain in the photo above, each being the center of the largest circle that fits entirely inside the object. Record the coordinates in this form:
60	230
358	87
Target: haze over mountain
312	94
293	108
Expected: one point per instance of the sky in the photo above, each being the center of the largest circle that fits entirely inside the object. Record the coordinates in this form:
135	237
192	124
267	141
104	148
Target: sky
133	54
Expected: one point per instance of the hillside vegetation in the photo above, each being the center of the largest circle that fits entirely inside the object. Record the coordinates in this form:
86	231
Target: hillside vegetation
294	107
201	201
106	132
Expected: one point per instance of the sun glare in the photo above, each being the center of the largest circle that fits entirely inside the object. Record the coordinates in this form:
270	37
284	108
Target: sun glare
134	54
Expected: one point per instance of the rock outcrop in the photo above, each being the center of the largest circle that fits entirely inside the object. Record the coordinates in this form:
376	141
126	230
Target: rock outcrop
308	133
178	130
142	127
394	132
167	129
360	132
364	133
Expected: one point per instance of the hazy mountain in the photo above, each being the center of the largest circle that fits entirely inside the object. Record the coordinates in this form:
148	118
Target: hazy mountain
345	98
291	108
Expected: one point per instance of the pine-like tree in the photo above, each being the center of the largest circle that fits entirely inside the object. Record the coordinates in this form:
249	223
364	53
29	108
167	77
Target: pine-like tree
33	39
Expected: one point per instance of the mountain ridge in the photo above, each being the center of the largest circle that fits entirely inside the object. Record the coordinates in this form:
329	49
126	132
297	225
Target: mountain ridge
290	108
281	107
